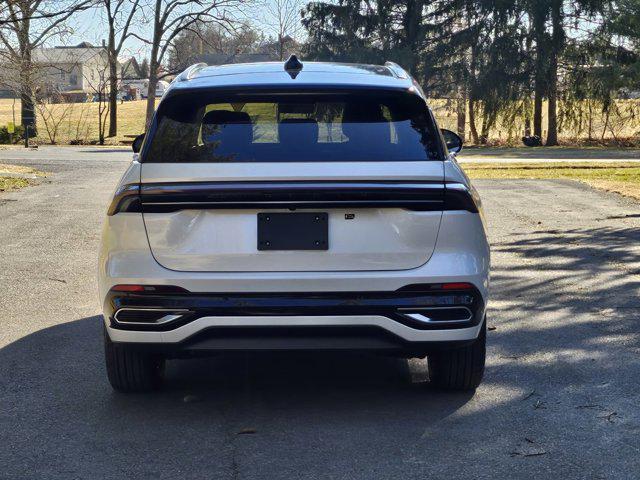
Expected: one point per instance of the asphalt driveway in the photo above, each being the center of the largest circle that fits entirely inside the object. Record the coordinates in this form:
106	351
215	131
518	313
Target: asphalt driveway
561	396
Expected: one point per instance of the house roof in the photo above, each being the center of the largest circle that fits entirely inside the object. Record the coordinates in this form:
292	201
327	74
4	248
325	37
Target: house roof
66	54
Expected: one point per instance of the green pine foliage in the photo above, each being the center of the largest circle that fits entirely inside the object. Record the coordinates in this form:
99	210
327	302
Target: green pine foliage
502	58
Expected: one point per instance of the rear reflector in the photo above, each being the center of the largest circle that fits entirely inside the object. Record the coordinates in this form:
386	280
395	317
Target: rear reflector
456	286
128	288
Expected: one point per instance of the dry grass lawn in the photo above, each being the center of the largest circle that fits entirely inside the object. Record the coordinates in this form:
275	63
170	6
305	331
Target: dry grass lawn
622	178
621	127
65	123
14	177
8	184
20	170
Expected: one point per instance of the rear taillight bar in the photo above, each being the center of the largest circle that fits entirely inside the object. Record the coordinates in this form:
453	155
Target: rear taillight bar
172	197
459	197
126	199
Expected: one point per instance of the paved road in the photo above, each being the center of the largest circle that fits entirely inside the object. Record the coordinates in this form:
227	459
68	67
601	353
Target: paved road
560	398
47	154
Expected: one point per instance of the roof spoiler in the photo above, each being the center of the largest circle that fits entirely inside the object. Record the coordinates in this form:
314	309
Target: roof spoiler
190	72
397	70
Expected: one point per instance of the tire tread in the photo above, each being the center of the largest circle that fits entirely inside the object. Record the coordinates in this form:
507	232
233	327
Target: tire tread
461	368
131	370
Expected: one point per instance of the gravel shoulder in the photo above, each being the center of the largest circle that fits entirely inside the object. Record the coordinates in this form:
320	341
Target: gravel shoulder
560	396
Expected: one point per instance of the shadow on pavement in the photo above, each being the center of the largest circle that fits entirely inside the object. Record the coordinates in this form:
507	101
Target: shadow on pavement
589	268
60	414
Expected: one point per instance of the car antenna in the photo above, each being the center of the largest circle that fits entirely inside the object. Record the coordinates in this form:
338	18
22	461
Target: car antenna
293	66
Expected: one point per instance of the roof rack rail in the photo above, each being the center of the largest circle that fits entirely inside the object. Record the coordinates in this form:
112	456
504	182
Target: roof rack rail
396	69
190	72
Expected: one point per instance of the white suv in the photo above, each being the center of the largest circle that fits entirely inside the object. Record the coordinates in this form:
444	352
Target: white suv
295	207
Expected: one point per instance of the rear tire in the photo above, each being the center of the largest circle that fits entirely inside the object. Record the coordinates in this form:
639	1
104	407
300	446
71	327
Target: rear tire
461	368
131	370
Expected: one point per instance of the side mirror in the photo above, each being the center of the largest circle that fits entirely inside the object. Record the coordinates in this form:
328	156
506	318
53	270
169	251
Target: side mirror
453	141
136	146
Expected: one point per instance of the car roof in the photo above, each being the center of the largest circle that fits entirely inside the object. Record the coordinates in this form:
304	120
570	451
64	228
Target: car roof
272	75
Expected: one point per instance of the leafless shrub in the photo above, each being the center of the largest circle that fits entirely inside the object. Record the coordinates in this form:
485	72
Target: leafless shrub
53	115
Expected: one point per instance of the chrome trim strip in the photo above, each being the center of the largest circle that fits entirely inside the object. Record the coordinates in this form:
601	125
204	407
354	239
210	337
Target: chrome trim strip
423	318
171	315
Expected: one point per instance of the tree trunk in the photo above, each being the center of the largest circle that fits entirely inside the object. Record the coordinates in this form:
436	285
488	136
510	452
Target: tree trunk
537	110
462	112
552	113
590	122
151	93
539	17
100	124
27	108
557	41
113	95
472	121
488	120
411	22
154	65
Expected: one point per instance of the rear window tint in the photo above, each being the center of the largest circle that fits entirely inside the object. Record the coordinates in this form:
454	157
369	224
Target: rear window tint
293	128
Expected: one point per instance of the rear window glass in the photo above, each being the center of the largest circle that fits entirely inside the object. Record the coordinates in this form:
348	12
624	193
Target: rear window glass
293	128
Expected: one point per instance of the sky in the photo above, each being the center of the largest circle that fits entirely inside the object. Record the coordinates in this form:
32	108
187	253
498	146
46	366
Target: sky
90	26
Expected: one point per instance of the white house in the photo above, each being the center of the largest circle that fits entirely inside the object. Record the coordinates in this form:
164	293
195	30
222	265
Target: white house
83	68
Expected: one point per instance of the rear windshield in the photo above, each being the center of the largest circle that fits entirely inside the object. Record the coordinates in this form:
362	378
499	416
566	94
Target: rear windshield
293	128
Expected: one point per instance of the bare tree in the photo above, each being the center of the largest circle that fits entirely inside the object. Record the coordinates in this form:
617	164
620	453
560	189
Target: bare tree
24	26
170	18
283	19
207	39
53	112
100	86
120	14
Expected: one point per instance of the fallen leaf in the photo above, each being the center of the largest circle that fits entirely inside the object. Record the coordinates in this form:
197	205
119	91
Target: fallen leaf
600	407
191	398
530	449
539	405
609	416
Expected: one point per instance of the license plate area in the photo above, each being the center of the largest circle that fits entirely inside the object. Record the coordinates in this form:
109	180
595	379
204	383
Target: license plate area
293	231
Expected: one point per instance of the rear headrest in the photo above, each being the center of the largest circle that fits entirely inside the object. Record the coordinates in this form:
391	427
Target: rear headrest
227	127
298	131
362	113
364	122
217	117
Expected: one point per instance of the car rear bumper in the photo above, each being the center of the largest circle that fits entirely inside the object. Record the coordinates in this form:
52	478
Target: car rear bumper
403	332
413	319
